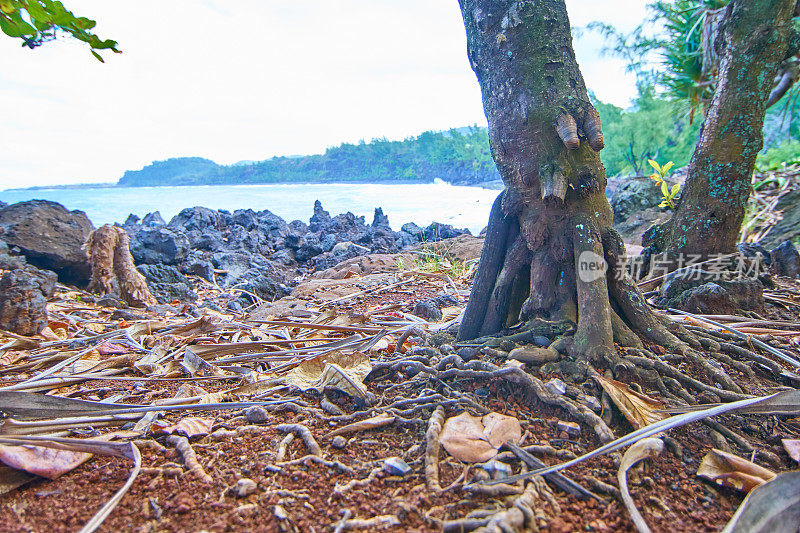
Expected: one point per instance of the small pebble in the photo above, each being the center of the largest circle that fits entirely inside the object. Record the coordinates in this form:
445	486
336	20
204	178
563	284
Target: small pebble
542	341
570	428
482	393
339	442
446	349
556	386
256	414
591	402
467	353
497	469
396	466
245	487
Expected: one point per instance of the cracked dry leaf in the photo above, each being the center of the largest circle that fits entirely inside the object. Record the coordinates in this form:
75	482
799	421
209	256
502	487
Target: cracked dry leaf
733	471
45	462
501	429
474	440
11	478
639	409
191	427
345	372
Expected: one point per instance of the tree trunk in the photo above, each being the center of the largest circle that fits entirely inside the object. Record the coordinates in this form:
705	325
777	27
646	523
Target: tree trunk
756	36
549	237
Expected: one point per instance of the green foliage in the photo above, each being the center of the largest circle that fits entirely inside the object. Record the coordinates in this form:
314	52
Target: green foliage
780	156
39	21
457	156
660	177
651	129
672	49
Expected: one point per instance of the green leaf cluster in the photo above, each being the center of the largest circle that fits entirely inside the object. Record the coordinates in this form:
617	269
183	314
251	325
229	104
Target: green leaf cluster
39	21
457	156
653	128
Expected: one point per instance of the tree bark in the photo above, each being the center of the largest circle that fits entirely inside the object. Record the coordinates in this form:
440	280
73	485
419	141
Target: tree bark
549	236
709	214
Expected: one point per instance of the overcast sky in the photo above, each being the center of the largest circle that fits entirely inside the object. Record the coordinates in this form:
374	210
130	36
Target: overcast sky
248	79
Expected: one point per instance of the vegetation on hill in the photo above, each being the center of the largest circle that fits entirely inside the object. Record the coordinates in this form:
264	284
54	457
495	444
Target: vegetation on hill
654	127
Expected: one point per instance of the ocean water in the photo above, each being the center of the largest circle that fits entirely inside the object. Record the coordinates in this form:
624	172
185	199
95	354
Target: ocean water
462	207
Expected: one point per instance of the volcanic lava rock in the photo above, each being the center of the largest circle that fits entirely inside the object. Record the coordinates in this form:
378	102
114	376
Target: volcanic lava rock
22	300
50	237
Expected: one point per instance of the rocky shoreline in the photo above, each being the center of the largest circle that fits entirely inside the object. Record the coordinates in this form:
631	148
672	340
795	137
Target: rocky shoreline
257	254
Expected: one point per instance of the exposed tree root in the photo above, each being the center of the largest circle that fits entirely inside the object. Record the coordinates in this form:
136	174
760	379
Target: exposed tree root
523	514
432	445
113	271
189	457
304	433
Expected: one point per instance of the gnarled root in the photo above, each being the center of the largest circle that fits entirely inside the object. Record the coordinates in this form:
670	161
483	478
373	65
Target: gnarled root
556	265
113	271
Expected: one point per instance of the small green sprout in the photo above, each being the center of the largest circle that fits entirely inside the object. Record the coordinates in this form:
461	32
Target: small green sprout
660	177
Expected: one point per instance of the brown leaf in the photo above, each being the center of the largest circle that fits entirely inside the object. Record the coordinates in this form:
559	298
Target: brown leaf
640	410
345	372
733	471
792	447
191	427
11	478
474	440
501	429
463	438
45	462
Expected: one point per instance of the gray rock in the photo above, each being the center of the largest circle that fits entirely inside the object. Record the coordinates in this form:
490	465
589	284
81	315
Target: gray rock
167	283
428	309
788	227
380	219
320	217
197	218
339	442
245	487
153	220
22	300
159	245
786	260
705	292
256	414
50	237
634	194
395	466
439	232
556	386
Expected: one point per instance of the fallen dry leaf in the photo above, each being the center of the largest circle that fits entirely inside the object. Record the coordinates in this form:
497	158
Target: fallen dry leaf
792	447
108	348
11	478
345	372
45	462
773	507
733	471
474	440
501	429
640	410
191	427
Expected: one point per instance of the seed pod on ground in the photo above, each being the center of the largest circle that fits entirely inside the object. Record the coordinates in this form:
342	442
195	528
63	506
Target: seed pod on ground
567	130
